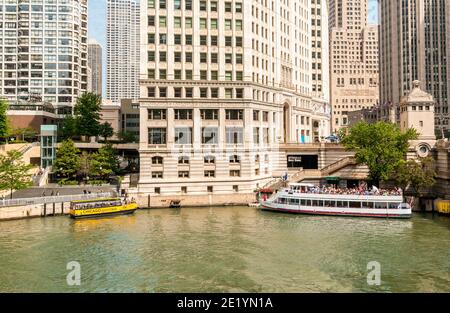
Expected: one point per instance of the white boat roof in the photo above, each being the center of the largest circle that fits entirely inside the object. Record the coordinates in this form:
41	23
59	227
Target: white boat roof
301	185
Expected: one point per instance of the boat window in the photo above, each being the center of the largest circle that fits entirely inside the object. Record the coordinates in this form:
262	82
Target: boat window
308	202
355	204
303	202
367	205
315	203
330	203
380	205
293	201
393	205
282	200
320	202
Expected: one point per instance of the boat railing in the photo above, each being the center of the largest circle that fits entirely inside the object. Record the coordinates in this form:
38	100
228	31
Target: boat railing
54	199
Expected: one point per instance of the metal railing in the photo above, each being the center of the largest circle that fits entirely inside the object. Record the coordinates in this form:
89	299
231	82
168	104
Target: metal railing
54	199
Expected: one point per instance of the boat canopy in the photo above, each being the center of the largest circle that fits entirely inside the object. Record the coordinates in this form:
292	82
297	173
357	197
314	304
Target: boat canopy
301	185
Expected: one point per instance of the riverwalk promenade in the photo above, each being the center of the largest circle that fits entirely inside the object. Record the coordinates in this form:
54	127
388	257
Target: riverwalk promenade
49	201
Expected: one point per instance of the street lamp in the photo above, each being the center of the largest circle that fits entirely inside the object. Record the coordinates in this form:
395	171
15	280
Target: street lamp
442	118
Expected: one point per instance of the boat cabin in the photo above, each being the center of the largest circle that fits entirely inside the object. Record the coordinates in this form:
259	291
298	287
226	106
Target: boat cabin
95	203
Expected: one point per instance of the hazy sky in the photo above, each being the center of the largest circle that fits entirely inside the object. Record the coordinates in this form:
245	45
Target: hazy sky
97	25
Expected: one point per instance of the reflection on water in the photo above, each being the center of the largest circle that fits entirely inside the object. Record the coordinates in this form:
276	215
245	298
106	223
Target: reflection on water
225	250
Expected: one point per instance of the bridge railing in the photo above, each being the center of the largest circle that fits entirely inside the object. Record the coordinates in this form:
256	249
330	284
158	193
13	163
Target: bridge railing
54	199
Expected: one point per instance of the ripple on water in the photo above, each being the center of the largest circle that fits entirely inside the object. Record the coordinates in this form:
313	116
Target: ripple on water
229	249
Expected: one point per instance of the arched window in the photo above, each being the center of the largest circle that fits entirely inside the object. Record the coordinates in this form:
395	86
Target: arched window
210	159
235	159
183	160
157	160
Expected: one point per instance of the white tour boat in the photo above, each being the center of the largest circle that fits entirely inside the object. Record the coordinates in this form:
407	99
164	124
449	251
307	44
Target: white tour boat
308	199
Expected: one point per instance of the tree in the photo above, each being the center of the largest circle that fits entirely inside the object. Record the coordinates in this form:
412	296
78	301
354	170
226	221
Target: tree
4	123
24	133
104	162
14	173
415	174
127	136
68	128
87	114
380	146
67	161
106	130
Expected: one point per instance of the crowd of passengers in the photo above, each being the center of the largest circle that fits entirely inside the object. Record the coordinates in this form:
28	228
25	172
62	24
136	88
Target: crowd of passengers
99	205
361	190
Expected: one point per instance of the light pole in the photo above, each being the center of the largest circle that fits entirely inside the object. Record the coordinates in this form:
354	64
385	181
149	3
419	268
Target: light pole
441	118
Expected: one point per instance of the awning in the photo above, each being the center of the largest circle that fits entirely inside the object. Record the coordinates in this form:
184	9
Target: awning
332	178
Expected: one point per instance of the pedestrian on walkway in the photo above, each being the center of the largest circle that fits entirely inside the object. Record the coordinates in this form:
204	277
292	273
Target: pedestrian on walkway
43	194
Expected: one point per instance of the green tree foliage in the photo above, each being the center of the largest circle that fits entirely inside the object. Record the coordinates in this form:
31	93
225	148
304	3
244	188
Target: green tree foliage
4	123
415	175
106	130
68	128
126	136
67	161
87	114
381	146
24	133
14	173
104	162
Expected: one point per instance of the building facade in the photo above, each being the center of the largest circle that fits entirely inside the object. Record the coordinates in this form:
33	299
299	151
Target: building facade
225	84
414	45
353	60
95	64
43	51
123	40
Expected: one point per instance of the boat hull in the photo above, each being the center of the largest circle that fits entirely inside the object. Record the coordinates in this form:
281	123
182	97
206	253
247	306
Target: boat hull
101	212
336	212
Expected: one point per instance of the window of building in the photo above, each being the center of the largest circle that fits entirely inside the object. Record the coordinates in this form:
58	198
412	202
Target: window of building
209	159
210	135
157	160
183	114
210	173
157	174
234	114
183	174
235	173
183	135
184	160
209	114
157	114
235	135
235	159
157	136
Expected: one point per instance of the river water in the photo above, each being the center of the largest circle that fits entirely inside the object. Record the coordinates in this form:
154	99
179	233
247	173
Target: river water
232	249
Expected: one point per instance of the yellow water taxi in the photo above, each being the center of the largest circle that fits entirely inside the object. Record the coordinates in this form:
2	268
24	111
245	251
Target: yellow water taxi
101	207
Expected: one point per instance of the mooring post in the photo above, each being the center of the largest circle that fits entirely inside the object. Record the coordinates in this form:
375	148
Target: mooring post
45	209
54	204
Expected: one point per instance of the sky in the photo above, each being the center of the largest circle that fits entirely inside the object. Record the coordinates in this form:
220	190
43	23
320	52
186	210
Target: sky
97	26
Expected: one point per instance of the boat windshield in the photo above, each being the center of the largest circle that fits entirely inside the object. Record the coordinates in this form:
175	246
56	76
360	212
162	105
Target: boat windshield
96	204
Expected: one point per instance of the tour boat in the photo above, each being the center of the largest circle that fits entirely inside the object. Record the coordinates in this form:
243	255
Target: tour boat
309	199
101	207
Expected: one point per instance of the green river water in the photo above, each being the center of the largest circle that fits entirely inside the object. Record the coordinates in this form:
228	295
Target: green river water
230	249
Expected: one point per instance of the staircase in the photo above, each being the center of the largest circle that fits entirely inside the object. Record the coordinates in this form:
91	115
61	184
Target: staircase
312	174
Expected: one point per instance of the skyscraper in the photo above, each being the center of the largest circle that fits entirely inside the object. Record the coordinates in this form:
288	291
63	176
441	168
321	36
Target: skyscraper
43	51
96	66
226	83
353	59
123	50
414	45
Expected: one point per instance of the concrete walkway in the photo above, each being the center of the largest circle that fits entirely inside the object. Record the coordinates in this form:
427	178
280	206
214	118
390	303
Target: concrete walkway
63	191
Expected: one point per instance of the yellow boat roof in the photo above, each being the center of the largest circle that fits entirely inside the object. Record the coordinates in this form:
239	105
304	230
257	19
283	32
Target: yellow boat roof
96	200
